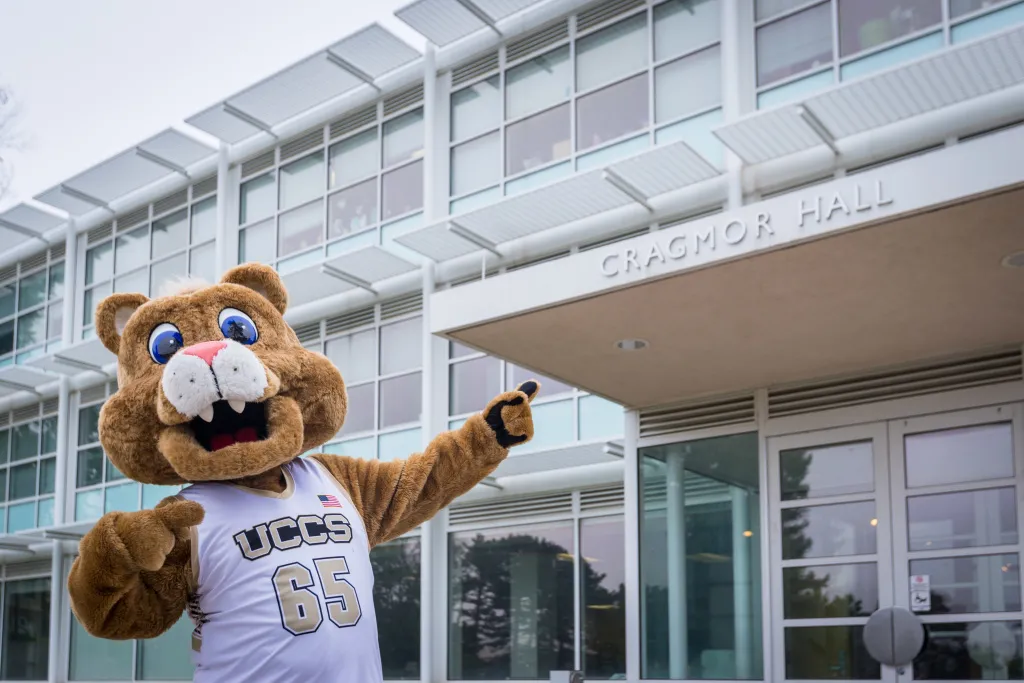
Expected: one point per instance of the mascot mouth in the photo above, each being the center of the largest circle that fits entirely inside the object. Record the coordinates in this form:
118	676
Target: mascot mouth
228	426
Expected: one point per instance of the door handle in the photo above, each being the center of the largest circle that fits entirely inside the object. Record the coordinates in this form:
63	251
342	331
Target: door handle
894	636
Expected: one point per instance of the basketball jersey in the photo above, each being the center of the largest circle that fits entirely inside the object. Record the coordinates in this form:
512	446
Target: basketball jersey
283	583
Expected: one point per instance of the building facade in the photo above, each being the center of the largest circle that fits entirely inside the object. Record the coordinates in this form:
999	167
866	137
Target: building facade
765	256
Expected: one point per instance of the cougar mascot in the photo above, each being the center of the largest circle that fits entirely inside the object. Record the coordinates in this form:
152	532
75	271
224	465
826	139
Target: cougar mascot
269	551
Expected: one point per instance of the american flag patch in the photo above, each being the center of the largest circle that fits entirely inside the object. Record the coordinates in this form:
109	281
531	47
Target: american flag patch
329	501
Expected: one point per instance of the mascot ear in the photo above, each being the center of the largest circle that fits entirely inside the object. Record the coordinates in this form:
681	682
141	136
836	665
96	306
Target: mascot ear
262	279
112	315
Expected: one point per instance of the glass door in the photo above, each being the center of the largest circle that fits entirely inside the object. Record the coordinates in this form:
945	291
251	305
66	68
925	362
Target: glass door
831	551
956	489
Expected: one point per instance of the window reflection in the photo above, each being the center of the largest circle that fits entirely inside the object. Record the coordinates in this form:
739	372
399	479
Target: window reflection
396	598
603	586
829	653
352	209
537	140
613	112
361	413
829	530
302	180
681	26
832	470
963	585
300	229
611	53
706	492
865	24
963	651
403	190
838	590
24	654
403	138
537	84
473	383
959	455
476	109
968	519
354	158
794	44
258	199
511	603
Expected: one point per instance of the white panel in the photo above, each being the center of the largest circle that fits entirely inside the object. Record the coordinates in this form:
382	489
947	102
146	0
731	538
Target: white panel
31	218
769	135
437	243
665	169
311	82
118	176
500	9
440	21
54	364
310	284
375	50
24	376
371	264
57	199
570	200
177	148
90	352
10	238
222	125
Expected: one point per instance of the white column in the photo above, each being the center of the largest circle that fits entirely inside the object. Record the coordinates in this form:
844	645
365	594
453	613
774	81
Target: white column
632	518
223	204
676	524
55	672
71	289
739	81
741	580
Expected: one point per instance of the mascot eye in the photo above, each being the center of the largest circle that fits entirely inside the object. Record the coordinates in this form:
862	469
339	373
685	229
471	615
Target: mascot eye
164	342
238	326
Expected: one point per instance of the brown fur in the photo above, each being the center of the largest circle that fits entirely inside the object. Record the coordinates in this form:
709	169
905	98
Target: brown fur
133	575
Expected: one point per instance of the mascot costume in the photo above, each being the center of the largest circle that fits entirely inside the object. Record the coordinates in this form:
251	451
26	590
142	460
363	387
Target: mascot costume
267	550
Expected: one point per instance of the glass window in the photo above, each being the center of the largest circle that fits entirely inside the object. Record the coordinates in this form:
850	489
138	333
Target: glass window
476	109
56	280
352	209
829	652
401	346
204	220
354	158
959	455
765	9
829	530
170	234
6	337
202	262
473	384
611	53
99	264
300	229
958	8
302	181
795	44
91	301
401	400
610	113
681	26
90	466
822	471
362	401
716	509
26	630
970	585
7	294
98	659
355	355
865	24
403	138
47	475
25	443
23	481
515	375
49	436
457	350
256	243
137	281
476	164
967	519
88	425
32	290
55	321
537	140
603	598
131	249
688	85
537	84
403	190
168	270
168	656
31	328
258	199
396	599
830	591
997	647
511	601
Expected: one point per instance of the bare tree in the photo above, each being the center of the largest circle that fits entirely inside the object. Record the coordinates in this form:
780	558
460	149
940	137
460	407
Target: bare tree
9	137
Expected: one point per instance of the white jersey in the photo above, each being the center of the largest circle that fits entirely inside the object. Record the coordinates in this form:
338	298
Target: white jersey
284	590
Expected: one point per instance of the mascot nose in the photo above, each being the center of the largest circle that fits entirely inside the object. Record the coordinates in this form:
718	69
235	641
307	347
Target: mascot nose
205	350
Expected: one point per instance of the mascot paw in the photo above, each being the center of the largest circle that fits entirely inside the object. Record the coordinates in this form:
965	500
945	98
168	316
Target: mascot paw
149	535
510	417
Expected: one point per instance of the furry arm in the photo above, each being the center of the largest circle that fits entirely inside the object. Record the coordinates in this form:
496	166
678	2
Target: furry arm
397	496
132	575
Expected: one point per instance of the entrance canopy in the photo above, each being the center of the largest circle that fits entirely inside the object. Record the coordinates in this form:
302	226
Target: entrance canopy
899	264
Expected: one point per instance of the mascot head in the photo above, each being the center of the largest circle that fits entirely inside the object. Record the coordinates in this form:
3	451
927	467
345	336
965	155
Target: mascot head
213	385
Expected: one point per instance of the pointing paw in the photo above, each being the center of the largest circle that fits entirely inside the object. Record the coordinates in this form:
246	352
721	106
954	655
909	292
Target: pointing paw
510	417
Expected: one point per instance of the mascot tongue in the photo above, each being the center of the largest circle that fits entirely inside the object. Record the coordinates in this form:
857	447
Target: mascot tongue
243	435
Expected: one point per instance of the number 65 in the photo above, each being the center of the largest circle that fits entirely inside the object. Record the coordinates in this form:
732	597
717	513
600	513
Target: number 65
301	612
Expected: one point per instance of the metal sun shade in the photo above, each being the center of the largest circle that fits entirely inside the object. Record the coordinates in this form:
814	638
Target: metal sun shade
15	378
633	180
956	75
443	22
23	222
85	356
163	155
360	269
351	63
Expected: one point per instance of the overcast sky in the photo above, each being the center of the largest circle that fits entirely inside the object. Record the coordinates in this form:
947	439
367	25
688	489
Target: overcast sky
94	77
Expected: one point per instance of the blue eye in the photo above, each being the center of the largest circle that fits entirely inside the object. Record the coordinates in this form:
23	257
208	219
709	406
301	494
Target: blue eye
164	341
238	326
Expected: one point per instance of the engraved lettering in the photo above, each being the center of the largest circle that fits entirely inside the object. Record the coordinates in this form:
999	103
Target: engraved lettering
816	210
837	204
738	231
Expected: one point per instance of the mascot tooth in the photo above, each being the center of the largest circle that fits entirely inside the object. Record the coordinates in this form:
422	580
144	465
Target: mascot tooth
268	551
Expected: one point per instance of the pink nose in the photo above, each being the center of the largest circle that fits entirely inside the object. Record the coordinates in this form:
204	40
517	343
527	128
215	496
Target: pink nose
205	350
